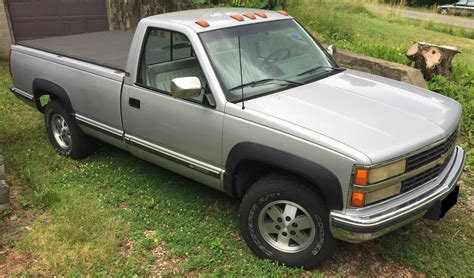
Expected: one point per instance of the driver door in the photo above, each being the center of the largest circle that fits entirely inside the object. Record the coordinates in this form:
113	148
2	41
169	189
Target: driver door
183	135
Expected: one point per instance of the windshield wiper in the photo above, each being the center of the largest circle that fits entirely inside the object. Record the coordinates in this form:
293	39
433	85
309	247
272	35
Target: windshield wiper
316	68
264	81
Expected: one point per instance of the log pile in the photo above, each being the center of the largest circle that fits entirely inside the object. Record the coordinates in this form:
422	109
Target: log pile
432	59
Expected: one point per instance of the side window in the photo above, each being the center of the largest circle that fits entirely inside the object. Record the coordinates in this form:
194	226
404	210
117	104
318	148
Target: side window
167	55
181	47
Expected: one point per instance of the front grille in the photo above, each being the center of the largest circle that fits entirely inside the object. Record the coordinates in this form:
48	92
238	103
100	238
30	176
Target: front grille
432	154
425	157
424	177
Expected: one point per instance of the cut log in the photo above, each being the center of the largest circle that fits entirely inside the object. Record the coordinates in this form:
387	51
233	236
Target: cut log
414	48
432	59
432	56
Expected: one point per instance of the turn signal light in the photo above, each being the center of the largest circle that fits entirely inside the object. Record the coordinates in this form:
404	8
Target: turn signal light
361	177
358	199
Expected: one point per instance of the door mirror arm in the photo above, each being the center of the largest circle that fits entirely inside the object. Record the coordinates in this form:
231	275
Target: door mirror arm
209	99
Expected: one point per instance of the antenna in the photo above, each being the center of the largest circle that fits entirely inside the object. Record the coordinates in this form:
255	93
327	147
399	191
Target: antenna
241	74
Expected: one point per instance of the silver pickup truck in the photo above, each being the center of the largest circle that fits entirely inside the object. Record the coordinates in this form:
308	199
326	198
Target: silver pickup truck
249	103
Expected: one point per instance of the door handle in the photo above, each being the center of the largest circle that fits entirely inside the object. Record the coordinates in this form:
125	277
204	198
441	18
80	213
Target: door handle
133	102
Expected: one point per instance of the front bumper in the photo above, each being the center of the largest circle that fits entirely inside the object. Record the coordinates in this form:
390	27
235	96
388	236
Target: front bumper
362	224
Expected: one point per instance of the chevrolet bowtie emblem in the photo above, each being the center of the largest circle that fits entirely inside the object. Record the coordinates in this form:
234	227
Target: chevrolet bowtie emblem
441	160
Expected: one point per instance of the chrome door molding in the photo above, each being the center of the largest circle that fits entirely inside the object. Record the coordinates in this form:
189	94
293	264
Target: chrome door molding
22	93
186	161
167	154
108	130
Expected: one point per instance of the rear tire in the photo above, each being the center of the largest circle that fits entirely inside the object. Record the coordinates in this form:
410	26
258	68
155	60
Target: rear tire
283	219
64	133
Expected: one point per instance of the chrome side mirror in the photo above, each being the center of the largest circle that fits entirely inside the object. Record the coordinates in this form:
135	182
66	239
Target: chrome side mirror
332	50
186	87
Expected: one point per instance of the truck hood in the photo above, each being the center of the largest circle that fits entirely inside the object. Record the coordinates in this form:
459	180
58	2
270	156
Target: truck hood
379	117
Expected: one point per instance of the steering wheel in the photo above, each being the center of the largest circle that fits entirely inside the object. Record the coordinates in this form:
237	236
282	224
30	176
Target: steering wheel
277	55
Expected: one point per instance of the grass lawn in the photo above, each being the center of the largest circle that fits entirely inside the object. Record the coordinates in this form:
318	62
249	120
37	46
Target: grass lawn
115	214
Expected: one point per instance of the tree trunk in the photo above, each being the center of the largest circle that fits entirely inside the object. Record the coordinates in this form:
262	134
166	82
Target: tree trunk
432	59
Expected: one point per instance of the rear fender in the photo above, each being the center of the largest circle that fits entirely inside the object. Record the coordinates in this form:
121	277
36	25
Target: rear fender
42	87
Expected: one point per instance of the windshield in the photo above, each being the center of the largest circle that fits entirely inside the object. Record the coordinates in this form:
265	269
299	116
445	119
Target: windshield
275	55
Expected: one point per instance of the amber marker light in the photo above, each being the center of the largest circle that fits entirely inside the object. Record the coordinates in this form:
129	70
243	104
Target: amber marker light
251	16
261	14
238	17
202	23
361	177
358	199
285	13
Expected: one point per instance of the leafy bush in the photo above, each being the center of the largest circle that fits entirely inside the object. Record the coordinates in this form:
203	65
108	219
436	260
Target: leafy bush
246	4
463	92
262	4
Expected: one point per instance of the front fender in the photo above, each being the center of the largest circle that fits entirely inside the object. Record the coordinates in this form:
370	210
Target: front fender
326	182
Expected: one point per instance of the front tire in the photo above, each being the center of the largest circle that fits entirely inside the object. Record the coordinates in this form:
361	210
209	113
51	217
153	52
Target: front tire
64	133
283	219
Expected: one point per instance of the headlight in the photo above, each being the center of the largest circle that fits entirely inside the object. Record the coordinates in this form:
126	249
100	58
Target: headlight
387	171
374	175
371	176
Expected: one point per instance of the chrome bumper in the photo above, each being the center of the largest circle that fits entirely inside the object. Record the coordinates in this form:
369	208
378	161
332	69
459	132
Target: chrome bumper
362	224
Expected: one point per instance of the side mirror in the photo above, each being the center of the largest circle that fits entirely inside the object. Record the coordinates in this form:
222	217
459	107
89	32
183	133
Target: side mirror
332	50
186	87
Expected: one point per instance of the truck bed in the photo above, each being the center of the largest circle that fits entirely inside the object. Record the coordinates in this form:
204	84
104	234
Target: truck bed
109	49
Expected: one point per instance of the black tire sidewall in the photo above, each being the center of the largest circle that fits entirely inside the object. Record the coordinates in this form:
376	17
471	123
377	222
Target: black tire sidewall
281	188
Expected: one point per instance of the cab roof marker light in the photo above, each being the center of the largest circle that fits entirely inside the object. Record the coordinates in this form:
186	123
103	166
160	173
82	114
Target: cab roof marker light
282	12
261	14
250	15
202	23
238	17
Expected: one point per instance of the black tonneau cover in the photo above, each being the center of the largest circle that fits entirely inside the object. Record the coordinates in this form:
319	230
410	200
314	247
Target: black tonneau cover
109	49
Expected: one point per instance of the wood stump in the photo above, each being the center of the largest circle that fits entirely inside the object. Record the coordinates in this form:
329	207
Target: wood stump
432	59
